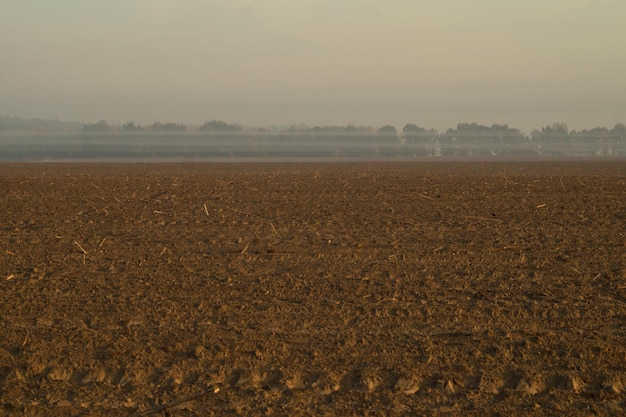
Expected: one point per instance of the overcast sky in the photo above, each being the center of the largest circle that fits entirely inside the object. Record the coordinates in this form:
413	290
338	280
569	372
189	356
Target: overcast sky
430	62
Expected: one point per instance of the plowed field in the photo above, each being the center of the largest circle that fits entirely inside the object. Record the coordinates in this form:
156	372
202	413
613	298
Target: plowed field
313	289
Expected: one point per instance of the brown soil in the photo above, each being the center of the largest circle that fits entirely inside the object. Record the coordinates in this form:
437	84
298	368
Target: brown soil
313	289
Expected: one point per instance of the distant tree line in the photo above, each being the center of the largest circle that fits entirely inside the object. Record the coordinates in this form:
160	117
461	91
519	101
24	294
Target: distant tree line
220	138
550	140
103	127
410	132
17	124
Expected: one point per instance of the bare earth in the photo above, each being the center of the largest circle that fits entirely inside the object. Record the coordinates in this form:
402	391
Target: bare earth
313	289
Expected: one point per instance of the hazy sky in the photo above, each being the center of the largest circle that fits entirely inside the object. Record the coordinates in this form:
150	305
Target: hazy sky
430	62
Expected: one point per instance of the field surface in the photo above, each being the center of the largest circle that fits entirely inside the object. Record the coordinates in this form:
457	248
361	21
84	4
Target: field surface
447	288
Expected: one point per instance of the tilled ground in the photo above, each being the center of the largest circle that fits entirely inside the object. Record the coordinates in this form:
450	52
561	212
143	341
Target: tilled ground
313	289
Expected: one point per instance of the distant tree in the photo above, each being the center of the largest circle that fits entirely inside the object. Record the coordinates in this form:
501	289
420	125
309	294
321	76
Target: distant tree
477	139
412	132
387	130
12	123
620	127
558	127
351	130
167	127
131	127
422	141
557	130
174	127
101	126
17	124
618	139
553	139
357	130
326	129
298	127
219	126
596	141
411	129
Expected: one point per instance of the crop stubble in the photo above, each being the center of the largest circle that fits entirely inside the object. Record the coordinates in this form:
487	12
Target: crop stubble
319	288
